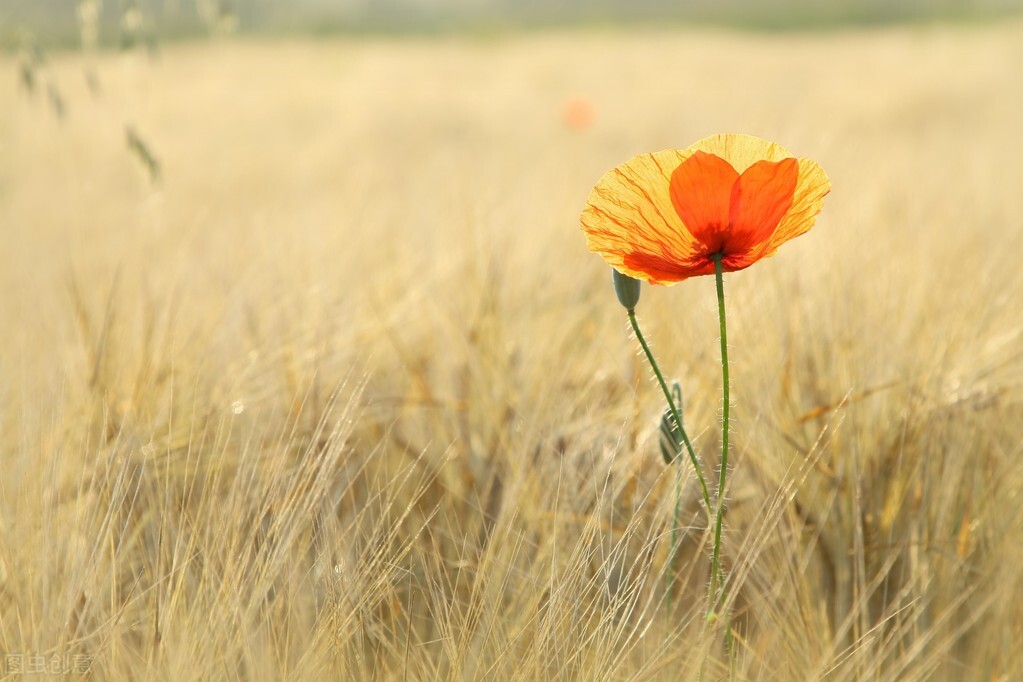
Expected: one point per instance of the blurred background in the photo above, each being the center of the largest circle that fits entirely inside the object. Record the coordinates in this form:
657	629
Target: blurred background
306	372
56	21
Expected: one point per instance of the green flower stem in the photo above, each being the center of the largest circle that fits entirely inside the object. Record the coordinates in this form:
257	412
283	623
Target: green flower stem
674	411
716	572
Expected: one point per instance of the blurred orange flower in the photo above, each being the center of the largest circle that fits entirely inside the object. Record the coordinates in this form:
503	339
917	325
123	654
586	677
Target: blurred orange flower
578	113
664	217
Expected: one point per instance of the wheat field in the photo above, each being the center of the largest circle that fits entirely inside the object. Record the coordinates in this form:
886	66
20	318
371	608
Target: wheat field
333	390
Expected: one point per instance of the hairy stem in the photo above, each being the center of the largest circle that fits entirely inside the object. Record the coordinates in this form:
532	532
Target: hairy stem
674	413
716	573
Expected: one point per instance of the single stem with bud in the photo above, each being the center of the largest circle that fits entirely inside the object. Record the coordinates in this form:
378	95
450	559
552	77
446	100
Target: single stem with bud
704	491
627	289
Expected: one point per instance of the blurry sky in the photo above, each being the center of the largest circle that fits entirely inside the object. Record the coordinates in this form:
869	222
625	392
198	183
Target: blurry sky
55	21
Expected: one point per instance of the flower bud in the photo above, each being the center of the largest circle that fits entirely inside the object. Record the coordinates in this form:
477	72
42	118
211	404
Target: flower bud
671	435
627	290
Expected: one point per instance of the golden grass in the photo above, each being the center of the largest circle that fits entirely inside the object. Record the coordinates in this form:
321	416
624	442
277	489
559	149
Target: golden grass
344	396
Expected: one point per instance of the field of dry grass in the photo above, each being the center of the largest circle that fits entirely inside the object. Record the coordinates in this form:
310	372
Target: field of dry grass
342	394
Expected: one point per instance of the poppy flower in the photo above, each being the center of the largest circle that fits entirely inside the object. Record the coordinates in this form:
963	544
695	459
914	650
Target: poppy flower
667	216
578	113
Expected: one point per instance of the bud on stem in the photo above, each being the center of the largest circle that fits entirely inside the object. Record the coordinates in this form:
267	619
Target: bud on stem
627	290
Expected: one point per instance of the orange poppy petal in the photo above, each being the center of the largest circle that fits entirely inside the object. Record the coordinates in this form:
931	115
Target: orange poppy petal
760	198
630	212
667	271
660	217
741	151
700	190
812	186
